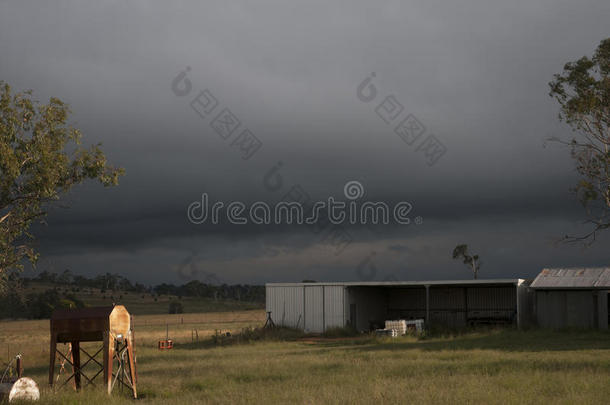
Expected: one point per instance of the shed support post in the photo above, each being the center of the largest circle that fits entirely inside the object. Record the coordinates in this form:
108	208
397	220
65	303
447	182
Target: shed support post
518	309
427	305
466	306
602	310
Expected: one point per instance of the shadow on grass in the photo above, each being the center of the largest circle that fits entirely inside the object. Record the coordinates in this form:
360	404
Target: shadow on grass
503	340
246	336
37	370
509	340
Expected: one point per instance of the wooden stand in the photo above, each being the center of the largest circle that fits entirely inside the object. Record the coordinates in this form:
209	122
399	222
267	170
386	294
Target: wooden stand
110	325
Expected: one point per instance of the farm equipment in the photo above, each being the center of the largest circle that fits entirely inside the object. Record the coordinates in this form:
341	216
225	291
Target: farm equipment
167	343
269	321
111	325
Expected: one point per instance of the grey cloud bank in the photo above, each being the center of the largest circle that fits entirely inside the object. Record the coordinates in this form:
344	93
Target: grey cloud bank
474	73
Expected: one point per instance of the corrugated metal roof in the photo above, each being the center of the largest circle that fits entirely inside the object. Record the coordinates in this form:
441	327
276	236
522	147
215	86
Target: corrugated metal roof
604	279
581	277
499	281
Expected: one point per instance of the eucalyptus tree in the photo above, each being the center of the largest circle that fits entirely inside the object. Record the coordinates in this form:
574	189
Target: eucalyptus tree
460	252
583	93
41	159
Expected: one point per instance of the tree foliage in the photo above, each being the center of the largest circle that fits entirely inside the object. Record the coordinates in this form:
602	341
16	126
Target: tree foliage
37	297
461	252
40	160
583	93
176	307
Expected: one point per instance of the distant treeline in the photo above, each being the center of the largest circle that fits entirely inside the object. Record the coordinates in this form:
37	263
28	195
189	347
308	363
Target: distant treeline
104	282
116	282
15	303
195	288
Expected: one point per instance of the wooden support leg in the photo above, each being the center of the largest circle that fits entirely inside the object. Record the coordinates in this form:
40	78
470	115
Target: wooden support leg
108	360
75	355
133	346
52	350
132	365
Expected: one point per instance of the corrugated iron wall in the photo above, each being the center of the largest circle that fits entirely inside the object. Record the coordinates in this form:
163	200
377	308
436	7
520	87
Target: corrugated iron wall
492	303
407	303
286	305
525	302
559	309
334	307
313	308
454	306
448	306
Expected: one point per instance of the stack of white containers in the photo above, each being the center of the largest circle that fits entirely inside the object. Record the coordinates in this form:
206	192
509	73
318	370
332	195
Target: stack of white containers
415	325
400	326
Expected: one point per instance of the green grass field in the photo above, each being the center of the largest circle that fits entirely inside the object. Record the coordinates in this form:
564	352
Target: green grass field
486	367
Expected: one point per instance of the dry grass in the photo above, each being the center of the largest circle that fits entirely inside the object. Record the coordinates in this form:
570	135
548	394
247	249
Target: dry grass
484	367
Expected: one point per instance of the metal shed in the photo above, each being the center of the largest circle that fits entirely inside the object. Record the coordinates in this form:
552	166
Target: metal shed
316	307
572	298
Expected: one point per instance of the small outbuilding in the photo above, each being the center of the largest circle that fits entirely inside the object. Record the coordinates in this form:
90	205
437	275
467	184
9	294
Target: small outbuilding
572	298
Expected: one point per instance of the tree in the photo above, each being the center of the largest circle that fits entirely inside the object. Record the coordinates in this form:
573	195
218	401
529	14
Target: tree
12	302
461	252
583	93
176	307
40	160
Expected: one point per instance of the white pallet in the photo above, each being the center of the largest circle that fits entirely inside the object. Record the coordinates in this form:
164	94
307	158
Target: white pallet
401	326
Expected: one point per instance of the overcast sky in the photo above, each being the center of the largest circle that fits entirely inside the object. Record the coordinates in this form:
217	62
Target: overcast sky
474	73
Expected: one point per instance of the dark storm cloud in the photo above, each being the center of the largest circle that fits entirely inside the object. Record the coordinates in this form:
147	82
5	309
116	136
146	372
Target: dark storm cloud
474	73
